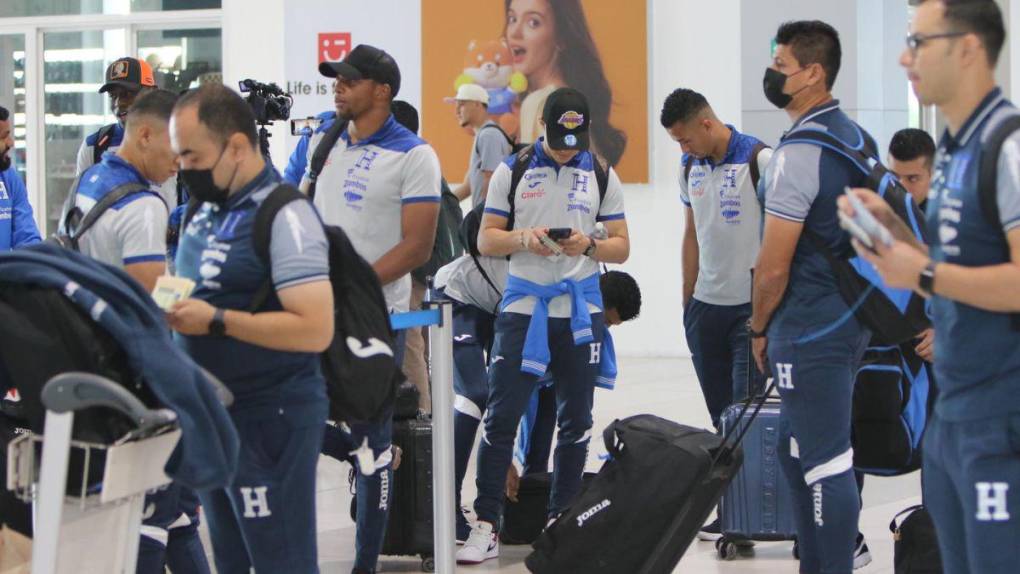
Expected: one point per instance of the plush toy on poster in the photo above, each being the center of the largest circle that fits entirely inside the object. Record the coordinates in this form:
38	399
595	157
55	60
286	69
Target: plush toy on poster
488	65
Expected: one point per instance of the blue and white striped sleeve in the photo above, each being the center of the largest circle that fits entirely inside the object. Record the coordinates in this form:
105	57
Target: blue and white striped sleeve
497	200
297	247
612	205
1008	183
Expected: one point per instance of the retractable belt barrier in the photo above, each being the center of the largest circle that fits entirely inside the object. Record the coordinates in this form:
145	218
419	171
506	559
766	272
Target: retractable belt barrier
438	317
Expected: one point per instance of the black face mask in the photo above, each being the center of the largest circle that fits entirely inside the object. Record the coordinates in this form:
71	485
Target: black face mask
773	85
200	182
5	161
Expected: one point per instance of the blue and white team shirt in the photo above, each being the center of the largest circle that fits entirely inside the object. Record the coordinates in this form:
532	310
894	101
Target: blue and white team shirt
977	352
364	186
133	230
727	218
17	221
86	159
217	252
553	195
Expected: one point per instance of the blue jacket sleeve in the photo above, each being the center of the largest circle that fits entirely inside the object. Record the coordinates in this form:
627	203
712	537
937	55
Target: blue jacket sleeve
25	230
298	162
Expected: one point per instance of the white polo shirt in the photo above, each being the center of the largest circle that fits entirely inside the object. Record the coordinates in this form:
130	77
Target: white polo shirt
553	195
364	186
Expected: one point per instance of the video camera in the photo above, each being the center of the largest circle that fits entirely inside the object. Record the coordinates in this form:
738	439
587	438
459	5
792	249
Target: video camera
268	101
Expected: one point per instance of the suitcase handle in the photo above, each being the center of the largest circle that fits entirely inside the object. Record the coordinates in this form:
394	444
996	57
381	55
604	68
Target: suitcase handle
728	451
613	445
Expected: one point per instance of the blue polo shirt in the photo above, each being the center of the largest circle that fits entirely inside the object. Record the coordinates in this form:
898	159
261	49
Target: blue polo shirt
977	353
801	184
17	223
217	252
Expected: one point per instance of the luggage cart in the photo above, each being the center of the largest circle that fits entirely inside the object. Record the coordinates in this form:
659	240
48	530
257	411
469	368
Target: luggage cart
89	521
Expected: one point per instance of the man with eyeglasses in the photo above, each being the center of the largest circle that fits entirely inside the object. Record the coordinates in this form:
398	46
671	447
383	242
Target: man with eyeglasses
972	274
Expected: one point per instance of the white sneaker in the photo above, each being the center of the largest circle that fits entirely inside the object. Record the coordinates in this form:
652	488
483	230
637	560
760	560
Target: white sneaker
481	545
862	556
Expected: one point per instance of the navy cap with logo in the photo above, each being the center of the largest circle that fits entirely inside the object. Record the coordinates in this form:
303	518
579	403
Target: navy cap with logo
566	118
365	62
129	73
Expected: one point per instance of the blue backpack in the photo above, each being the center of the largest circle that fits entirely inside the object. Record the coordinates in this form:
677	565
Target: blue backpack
894	394
894	316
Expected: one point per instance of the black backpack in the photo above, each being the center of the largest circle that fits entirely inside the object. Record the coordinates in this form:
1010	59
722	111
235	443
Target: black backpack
894	316
894	397
447	245
987	180
361	373
47	335
75	225
916	545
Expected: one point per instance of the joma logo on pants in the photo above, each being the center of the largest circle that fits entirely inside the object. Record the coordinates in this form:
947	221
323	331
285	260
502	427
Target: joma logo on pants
592	512
817	496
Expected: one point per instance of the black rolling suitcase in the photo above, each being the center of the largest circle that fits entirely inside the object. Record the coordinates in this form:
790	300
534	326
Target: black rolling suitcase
524	520
643	509
409	529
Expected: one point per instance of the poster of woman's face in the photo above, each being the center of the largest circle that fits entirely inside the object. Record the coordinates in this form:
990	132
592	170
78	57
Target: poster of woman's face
520	51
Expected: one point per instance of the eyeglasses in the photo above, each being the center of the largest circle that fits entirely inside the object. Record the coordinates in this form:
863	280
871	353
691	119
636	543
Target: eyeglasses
915	41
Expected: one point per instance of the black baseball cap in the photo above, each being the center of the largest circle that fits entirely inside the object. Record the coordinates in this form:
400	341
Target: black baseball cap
130	73
365	62
566	118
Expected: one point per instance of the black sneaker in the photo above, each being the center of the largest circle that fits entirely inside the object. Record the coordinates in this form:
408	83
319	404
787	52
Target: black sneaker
862	556
710	532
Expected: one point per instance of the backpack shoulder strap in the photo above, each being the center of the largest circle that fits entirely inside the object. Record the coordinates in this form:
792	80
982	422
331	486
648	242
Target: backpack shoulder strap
262	232
116	194
989	168
102	142
859	157
521	164
506	136
601	167
755	169
688	164
322	149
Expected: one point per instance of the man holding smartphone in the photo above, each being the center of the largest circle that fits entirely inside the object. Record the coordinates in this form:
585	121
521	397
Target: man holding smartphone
551	316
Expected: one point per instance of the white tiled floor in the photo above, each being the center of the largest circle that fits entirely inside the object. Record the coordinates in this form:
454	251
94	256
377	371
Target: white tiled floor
665	387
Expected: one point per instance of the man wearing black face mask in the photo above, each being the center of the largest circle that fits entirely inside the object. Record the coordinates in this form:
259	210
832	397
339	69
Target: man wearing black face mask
803	331
17	223
269	359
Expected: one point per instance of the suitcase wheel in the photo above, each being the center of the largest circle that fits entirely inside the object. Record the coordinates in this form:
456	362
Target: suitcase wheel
428	564
727	550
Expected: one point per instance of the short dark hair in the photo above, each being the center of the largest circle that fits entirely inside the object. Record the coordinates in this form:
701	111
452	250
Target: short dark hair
681	106
405	114
222	111
982	18
157	104
813	42
4	114
621	292
911	143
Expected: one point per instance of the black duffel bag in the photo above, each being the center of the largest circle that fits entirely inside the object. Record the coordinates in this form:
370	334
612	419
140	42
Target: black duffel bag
916	547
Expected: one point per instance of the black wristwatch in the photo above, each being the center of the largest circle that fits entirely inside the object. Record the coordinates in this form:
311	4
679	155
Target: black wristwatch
754	334
217	328
591	247
927	280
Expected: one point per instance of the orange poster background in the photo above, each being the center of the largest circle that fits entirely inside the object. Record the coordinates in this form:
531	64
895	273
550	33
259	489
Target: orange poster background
621	35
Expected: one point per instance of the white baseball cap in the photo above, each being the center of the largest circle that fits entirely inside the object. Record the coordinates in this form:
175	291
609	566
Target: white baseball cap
470	93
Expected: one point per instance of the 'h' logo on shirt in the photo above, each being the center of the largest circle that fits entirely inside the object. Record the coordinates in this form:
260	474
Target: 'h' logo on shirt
366	159
3	191
580	183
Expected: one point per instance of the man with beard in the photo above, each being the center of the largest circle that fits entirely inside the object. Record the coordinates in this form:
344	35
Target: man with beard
17	224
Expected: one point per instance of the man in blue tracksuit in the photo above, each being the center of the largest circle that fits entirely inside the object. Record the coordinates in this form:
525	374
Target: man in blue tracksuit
17	223
551	312
972	274
265	519
802	329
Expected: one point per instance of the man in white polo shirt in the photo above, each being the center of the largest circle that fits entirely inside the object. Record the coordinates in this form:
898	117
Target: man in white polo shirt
491	143
380	184
551	314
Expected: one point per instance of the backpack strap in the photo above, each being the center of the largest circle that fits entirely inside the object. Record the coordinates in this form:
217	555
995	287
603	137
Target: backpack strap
103	137
109	200
508	139
863	157
988	185
601	168
753	166
321	153
688	165
262	233
521	164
